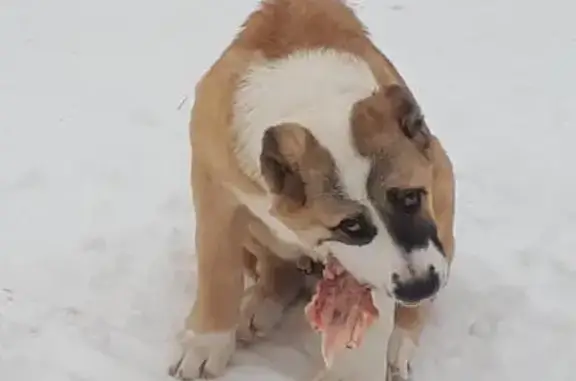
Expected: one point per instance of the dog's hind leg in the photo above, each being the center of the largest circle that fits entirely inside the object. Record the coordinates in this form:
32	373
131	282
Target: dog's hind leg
278	284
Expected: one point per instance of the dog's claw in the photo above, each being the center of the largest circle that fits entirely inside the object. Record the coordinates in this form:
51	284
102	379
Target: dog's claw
395	374
203	356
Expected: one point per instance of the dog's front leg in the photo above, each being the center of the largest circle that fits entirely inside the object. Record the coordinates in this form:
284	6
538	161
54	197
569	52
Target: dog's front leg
404	341
368	362
210	329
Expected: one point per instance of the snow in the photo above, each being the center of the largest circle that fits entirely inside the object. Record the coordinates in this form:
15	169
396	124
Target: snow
96	260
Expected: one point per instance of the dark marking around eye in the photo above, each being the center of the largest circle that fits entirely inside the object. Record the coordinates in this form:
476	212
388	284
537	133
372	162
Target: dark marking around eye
411	232
406	200
400	209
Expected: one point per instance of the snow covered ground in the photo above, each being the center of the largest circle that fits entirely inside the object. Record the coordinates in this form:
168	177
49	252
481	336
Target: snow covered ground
96	260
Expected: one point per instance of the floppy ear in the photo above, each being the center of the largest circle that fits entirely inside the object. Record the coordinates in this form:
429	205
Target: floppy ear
281	147
409	116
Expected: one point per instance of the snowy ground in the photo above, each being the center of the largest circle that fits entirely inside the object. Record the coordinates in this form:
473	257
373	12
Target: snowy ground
96	261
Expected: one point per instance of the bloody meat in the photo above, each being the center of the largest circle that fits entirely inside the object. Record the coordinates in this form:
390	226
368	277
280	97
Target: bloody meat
341	309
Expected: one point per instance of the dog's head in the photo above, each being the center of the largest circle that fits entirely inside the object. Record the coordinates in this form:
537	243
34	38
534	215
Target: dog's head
373	208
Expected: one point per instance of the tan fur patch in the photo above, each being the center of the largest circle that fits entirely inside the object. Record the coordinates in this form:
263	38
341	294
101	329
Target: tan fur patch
384	129
282	26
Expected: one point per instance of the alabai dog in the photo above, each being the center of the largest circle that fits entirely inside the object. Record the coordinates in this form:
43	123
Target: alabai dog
307	142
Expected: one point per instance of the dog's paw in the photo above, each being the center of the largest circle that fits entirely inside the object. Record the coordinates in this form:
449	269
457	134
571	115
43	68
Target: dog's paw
259	316
204	356
399	374
401	350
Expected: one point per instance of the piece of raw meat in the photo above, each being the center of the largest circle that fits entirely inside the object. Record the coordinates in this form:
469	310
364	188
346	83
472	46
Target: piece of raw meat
341	309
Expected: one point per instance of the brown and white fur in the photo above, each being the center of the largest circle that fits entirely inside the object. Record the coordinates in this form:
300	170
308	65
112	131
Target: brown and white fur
306	141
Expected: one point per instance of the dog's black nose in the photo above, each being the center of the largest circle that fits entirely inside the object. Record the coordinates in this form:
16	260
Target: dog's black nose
417	289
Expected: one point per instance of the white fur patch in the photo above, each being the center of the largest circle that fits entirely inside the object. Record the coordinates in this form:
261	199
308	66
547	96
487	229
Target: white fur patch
373	263
204	355
422	259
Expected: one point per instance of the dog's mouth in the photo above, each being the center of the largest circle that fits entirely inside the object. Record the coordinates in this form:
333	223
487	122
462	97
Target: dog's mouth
312	267
316	268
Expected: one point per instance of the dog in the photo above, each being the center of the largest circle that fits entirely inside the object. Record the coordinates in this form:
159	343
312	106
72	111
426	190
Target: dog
307	142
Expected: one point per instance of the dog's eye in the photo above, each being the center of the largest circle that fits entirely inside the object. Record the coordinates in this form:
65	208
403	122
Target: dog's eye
356	230
409	200
351	226
356	227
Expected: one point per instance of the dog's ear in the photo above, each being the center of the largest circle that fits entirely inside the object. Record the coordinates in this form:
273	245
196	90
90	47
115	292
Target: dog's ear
409	116
282	147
